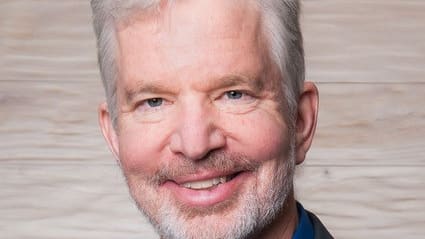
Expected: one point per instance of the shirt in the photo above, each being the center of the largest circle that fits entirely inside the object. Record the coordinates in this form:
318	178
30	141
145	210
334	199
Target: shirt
305	227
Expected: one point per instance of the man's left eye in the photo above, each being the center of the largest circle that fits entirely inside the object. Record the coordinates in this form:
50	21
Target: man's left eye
236	101
234	94
154	102
237	97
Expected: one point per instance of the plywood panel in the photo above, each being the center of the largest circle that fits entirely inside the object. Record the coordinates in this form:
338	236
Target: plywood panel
373	124
365	40
46	200
369	124
42	120
346	41
47	40
52	201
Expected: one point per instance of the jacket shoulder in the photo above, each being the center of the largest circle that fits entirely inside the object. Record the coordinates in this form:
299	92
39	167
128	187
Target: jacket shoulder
320	231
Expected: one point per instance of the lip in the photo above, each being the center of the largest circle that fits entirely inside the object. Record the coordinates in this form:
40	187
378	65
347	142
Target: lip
200	176
205	197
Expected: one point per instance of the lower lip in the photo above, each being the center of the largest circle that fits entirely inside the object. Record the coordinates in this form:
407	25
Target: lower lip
206	197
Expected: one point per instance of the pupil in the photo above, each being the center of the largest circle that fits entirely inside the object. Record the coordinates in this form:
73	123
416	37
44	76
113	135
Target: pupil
155	102
234	94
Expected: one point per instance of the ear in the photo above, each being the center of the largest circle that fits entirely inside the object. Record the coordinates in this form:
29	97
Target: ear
108	130
306	120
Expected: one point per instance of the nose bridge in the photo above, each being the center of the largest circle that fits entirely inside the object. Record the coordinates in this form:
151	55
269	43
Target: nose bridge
196	133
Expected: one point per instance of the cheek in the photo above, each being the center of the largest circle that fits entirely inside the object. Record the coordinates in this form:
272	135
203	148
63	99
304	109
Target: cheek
262	137
139	150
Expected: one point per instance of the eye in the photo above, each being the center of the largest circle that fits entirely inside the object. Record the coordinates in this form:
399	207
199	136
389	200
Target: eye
152	110
154	102
152	105
237	101
234	94
236	97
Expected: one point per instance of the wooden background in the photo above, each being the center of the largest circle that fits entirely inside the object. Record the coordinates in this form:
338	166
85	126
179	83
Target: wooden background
364	175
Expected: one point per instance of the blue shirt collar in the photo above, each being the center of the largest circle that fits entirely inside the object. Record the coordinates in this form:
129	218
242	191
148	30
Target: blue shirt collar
305	228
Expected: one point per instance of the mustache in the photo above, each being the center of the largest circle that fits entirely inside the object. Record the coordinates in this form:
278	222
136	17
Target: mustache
214	161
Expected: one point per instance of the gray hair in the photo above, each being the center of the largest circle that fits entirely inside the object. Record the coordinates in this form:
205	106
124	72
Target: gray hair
280	24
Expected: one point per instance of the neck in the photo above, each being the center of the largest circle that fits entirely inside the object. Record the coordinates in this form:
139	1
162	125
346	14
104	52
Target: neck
283	227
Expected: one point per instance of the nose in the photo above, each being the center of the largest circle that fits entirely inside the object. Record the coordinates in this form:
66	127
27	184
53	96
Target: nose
196	132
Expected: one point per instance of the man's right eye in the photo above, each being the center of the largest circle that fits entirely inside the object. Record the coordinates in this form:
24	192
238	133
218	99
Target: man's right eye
151	105
151	110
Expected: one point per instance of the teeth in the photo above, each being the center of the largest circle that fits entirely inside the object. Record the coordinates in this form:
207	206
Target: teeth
223	179
206	183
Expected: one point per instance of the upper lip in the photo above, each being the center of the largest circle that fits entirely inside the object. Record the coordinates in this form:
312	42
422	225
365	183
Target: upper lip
201	176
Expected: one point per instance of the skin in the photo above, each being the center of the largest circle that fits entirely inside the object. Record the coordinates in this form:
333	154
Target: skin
196	84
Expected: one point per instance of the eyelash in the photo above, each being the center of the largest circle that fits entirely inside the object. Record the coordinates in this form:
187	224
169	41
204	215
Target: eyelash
231	93
241	95
244	95
154	101
145	106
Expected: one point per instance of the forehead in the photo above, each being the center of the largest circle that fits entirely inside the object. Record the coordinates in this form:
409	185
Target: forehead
185	33
194	17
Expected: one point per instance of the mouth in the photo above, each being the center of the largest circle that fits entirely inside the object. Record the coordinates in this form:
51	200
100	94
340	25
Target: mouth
208	183
208	188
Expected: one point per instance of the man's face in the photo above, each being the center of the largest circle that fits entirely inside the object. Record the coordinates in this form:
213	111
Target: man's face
202	137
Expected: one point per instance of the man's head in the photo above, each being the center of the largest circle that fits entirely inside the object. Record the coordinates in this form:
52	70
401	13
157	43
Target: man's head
207	112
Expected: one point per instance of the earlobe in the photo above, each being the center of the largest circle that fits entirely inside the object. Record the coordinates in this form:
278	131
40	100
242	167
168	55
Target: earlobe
306	120
108	130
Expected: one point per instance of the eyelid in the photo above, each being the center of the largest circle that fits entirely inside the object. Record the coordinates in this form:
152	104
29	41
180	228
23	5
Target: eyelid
148	96
247	98
144	102
245	92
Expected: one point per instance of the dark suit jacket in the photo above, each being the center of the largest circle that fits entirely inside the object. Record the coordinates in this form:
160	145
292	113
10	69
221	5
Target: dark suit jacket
320	231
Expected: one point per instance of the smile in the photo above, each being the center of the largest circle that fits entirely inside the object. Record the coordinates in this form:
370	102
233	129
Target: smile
207	184
206	189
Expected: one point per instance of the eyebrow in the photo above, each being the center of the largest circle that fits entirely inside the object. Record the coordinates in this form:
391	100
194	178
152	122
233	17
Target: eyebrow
234	80
144	88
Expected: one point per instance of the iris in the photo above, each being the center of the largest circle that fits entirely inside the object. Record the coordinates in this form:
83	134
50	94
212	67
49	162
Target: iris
154	102
234	95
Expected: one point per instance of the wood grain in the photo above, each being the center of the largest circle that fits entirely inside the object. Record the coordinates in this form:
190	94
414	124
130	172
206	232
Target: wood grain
42	120
47	40
370	124
346	41
365	40
91	201
50	200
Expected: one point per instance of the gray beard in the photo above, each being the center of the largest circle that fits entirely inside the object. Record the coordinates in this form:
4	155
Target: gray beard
251	212
251	216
